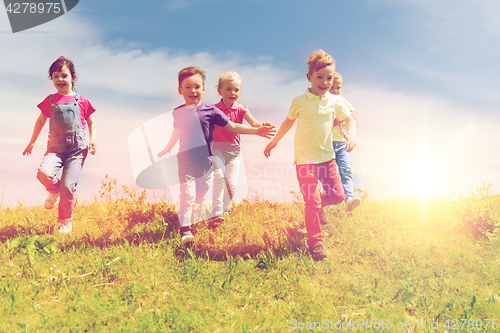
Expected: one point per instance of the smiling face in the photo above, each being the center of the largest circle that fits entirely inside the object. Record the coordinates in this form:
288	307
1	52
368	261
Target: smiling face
63	81
192	89
230	91
321	80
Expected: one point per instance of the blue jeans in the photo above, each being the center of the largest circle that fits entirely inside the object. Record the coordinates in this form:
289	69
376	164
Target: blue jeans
64	182
343	159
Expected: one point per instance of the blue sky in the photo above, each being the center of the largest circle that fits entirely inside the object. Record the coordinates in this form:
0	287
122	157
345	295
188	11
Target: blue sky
372	40
421	75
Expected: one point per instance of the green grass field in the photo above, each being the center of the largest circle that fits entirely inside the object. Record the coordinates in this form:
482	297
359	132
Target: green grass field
393	266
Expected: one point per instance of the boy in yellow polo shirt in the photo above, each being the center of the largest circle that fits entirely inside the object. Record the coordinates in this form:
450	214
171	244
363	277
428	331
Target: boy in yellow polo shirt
314	156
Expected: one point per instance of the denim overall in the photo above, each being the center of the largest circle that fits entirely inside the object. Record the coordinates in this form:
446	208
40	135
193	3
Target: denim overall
67	149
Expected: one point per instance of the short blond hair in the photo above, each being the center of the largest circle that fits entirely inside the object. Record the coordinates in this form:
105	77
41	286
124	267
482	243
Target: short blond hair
227	76
338	78
318	60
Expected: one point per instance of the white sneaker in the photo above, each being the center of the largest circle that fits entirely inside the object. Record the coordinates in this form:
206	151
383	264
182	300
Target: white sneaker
352	203
187	238
65	226
51	200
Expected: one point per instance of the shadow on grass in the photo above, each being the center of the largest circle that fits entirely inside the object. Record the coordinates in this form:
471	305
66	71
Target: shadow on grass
252	237
229	239
120	215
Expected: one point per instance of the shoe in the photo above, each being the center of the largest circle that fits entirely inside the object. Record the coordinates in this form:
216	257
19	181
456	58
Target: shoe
214	222
317	252
187	237
323	218
51	200
352	203
65	226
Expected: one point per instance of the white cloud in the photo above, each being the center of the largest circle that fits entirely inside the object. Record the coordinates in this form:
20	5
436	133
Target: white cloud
129	87
126	85
397	129
480	13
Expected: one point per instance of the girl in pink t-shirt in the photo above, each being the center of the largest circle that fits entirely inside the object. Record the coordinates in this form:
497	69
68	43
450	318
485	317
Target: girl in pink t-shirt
226	146
67	148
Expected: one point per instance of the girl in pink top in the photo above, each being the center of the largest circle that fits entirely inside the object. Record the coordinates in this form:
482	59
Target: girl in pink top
67	147
226	146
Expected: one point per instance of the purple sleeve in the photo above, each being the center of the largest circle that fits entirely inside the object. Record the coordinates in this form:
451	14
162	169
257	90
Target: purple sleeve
220	118
175	115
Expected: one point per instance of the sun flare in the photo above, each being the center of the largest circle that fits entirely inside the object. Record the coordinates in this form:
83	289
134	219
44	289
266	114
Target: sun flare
423	176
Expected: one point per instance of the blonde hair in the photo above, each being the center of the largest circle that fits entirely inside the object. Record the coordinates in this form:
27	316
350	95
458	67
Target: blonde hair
227	76
338	78
318	60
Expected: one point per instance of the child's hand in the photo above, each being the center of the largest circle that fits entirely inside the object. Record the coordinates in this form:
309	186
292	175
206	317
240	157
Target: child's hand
337	122
92	147
28	149
351	142
266	131
164	152
270	146
267	124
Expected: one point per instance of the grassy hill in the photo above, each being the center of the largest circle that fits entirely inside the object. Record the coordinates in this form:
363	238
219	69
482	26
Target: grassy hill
398	265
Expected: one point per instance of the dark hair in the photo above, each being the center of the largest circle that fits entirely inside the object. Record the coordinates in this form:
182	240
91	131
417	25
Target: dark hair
58	65
190	71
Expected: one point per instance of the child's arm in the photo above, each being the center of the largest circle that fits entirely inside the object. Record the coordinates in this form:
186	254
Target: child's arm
351	133
252	121
174	137
284	128
92	132
263	130
337	122
40	122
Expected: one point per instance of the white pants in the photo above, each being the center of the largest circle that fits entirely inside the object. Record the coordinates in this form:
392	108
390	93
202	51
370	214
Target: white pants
195	177
226	173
